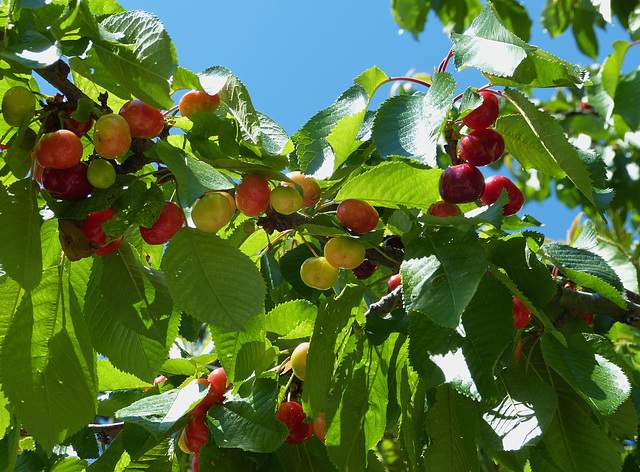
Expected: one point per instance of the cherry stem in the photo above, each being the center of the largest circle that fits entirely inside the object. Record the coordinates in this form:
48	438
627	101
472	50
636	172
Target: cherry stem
325	205
445	62
406	79
481	89
170	110
308	245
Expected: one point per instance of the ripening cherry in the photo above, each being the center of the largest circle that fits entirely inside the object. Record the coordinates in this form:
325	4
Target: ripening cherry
521	314
357	215
60	149
394	282
18	105
158	380
588	318
196	101
213	211
210	398
79	128
299	360
195	463
67	184
364	270
493	188
101	173
165	227
344	253
182	443
291	414
481	147
461	184
196	434
111	136
285	200
310	188
486	114
316	272
444	209
218	380
252	195
144	120
92	229
319	427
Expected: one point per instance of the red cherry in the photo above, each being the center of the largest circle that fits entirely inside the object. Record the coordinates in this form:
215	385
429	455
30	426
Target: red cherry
159	379
92	229
357	215
165	227
196	434
521	314
291	414
79	128
252	195
444	209
201	408
319	427
588	318
461	184
195	463
144	120
61	149
196	101
493	187
482	147
486	114
218	380
364	270
394	282
67	184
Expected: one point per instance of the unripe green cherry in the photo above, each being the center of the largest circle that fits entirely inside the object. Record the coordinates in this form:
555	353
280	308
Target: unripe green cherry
285	200
18	104
299	360
213	211
316	272
101	174
344	253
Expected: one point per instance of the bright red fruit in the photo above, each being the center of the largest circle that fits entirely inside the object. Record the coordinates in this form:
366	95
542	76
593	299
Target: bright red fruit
443	209
482	147
201	408
319	427
461	184
291	414
159	379
196	101
252	195
61	149
486	114
357	215
394	282
111	136
310	188
67	184
588	318
144	120
167	224
92	229
195	463
79	128
218	380
493	188
521	314
196	434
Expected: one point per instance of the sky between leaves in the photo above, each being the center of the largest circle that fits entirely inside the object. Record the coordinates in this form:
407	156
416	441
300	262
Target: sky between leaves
297	57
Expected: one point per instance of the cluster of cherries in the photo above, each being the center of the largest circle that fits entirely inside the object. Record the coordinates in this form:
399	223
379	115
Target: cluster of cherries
464	183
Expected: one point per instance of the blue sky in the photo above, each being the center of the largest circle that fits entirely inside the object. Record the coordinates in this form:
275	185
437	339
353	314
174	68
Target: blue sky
297	57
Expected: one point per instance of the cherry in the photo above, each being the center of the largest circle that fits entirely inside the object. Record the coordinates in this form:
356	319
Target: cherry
203	406
218	380
101	173
343	252
319	427
493	188
213	211
393	240
67	184
111	136
357	215
195	463
482	147
486	114
60	149
285	200
18	105
79	128
291	414
196	101
444	209
316	272
167	224
461	184
182	444
196	434
521	314
394	282
144	120
158	380
588	318
310	188
518	351
252	195
299	360
364	270
92	229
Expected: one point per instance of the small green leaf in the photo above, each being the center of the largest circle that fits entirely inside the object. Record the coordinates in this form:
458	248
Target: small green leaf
411	15
292	320
112	378
514	16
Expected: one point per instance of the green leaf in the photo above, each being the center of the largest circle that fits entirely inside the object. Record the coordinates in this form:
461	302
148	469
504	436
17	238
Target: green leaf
456	15
249	423
371	79
554	141
574	443
411	15
602	384
557	15
514	16
194	177
133	443
143	58
412	398
584	33
309	455
627	103
523	415
194	263
20	251
378	186
273	137
69	464
50	243
9	444
329	335
316	155
410	125
451	426
292	320
112	378
355	415
440	274
31	49
47	367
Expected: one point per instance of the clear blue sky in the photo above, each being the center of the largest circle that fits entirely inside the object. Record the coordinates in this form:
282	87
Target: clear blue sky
297	57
